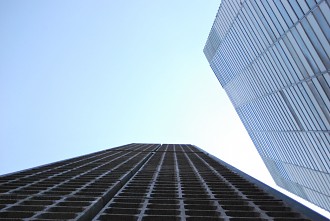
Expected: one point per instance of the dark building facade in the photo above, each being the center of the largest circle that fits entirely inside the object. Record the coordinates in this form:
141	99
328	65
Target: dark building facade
273	60
143	182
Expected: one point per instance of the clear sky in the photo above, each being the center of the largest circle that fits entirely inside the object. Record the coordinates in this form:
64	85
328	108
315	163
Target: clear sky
81	76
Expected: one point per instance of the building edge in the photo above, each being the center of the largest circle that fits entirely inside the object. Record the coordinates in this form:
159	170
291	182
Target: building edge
58	161
291	202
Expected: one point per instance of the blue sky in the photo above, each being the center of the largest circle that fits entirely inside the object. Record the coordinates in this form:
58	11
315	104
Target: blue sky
80	76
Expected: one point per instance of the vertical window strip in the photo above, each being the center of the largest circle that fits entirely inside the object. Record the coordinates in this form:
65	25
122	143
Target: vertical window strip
261	25
302	73
315	41
290	11
283	113
257	25
273	18
300	58
295	72
274	69
280	69
265	24
323	90
316	108
298	100
287	95
249	35
322	14
253	29
306	49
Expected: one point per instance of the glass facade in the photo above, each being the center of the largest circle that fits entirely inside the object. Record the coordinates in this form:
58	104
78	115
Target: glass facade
273	60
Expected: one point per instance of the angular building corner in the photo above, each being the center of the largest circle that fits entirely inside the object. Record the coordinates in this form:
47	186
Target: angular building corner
147	182
273	60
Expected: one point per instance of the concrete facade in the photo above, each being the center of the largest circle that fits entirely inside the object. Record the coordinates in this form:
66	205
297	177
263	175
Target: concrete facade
273	60
143	182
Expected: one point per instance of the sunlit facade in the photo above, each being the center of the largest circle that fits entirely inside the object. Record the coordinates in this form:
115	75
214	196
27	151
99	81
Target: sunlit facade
272	59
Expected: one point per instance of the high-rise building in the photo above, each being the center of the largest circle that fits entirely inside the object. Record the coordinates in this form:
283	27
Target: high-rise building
143	182
273	60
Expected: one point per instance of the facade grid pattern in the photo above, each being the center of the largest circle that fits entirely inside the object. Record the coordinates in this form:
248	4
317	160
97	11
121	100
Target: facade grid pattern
273	60
140	182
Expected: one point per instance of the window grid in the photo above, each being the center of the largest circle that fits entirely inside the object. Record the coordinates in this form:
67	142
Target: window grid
274	61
